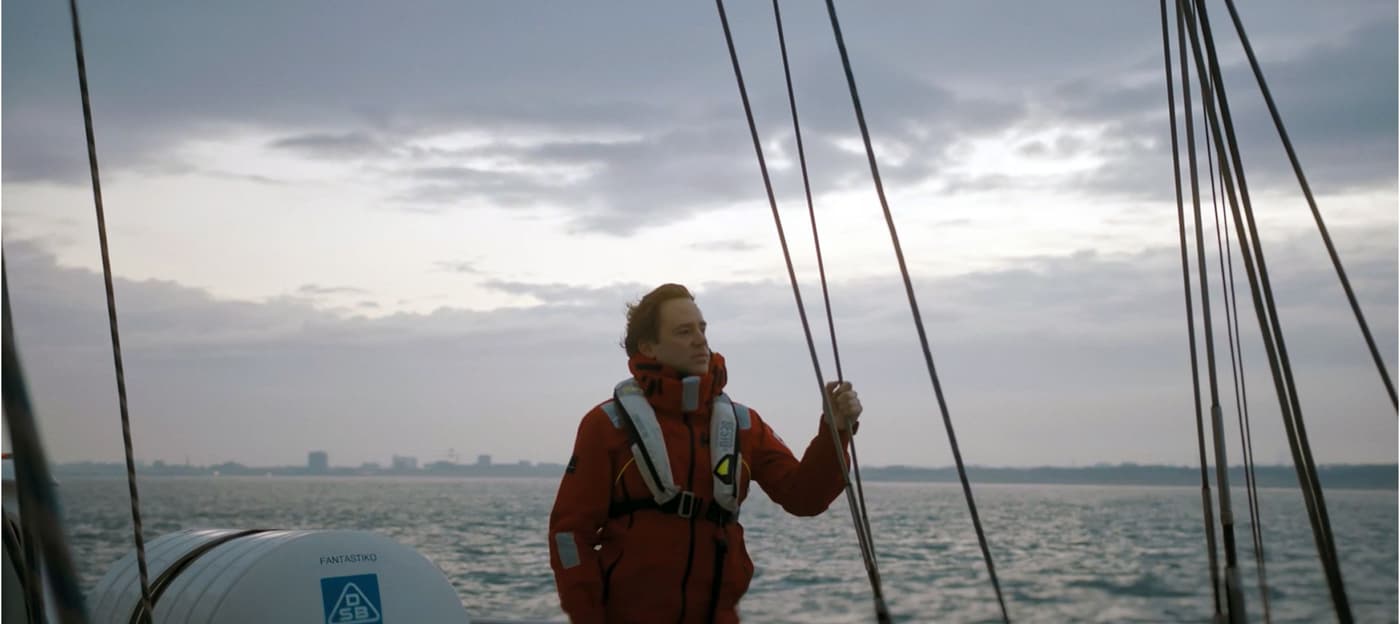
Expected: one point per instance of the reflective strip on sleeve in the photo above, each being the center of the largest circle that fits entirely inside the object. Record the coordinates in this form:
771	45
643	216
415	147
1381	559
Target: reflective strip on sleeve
568	550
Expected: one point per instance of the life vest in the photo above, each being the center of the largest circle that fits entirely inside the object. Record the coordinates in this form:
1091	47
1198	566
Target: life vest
630	411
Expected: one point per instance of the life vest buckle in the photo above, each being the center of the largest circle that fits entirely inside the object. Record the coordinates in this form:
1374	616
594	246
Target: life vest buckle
685	507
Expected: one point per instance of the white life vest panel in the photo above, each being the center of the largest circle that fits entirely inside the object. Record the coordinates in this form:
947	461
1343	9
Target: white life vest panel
630	410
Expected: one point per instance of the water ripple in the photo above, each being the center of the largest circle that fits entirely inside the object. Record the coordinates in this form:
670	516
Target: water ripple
1063	553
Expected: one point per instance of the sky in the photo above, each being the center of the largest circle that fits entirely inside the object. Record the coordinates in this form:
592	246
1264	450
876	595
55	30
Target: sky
412	228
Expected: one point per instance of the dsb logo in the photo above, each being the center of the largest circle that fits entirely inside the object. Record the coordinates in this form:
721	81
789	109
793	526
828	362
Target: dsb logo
351	599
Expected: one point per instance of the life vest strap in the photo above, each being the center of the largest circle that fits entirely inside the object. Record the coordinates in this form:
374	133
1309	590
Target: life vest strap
685	505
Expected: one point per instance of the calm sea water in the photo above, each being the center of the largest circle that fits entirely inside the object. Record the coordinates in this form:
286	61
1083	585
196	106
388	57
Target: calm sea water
1063	553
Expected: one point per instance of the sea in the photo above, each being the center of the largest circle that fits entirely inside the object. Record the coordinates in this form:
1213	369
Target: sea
1063	553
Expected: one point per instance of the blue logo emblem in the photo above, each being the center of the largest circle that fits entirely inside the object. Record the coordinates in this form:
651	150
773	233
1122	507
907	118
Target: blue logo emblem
352	599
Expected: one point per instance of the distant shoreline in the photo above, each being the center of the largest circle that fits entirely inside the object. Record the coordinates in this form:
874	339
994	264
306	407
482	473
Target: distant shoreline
1334	476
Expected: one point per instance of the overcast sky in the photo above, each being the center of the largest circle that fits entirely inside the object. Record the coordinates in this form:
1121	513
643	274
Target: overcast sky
411	228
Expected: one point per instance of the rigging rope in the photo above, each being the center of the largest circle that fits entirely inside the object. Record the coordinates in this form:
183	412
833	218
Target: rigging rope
871	570
1234	600
1266	311
1232	329
40	516
821	271
1206	504
111	312
914	306
1312	204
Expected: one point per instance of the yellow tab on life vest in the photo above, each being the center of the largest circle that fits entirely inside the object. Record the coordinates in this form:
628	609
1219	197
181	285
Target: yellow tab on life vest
722	470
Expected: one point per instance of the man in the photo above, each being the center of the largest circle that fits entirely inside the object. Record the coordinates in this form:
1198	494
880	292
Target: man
645	525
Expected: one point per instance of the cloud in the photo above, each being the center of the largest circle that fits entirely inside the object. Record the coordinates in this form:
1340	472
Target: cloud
1058	359
332	146
462	186
315	290
579	121
608	186
567	295
1340	121
458	266
582	120
726	246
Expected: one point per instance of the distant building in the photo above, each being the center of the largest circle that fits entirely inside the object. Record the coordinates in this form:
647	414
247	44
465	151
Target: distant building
405	463
441	466
524	463
483	460
317	462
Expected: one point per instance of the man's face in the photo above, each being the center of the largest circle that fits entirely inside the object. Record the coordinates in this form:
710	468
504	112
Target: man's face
680	341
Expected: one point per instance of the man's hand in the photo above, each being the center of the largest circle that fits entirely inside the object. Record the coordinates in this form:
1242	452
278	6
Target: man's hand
845	402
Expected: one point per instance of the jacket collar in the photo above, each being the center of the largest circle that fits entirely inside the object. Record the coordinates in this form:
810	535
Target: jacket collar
670	391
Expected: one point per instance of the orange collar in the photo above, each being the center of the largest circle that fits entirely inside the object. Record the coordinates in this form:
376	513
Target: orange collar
666	388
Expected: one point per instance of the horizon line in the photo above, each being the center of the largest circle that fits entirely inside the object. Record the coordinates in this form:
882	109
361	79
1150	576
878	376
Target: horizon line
531	463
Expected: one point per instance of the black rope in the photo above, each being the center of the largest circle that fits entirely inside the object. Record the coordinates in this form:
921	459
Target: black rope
1307	467
21	546
111	311
830	420
29	557
172	572
1312	204
1266	313
1234	600
1232	328
914	306
1206	505
869	535
40	516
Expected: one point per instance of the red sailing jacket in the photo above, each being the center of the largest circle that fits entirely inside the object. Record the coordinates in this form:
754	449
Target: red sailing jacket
621	564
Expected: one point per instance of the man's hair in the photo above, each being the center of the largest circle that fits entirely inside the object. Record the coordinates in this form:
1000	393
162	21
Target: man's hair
644	316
